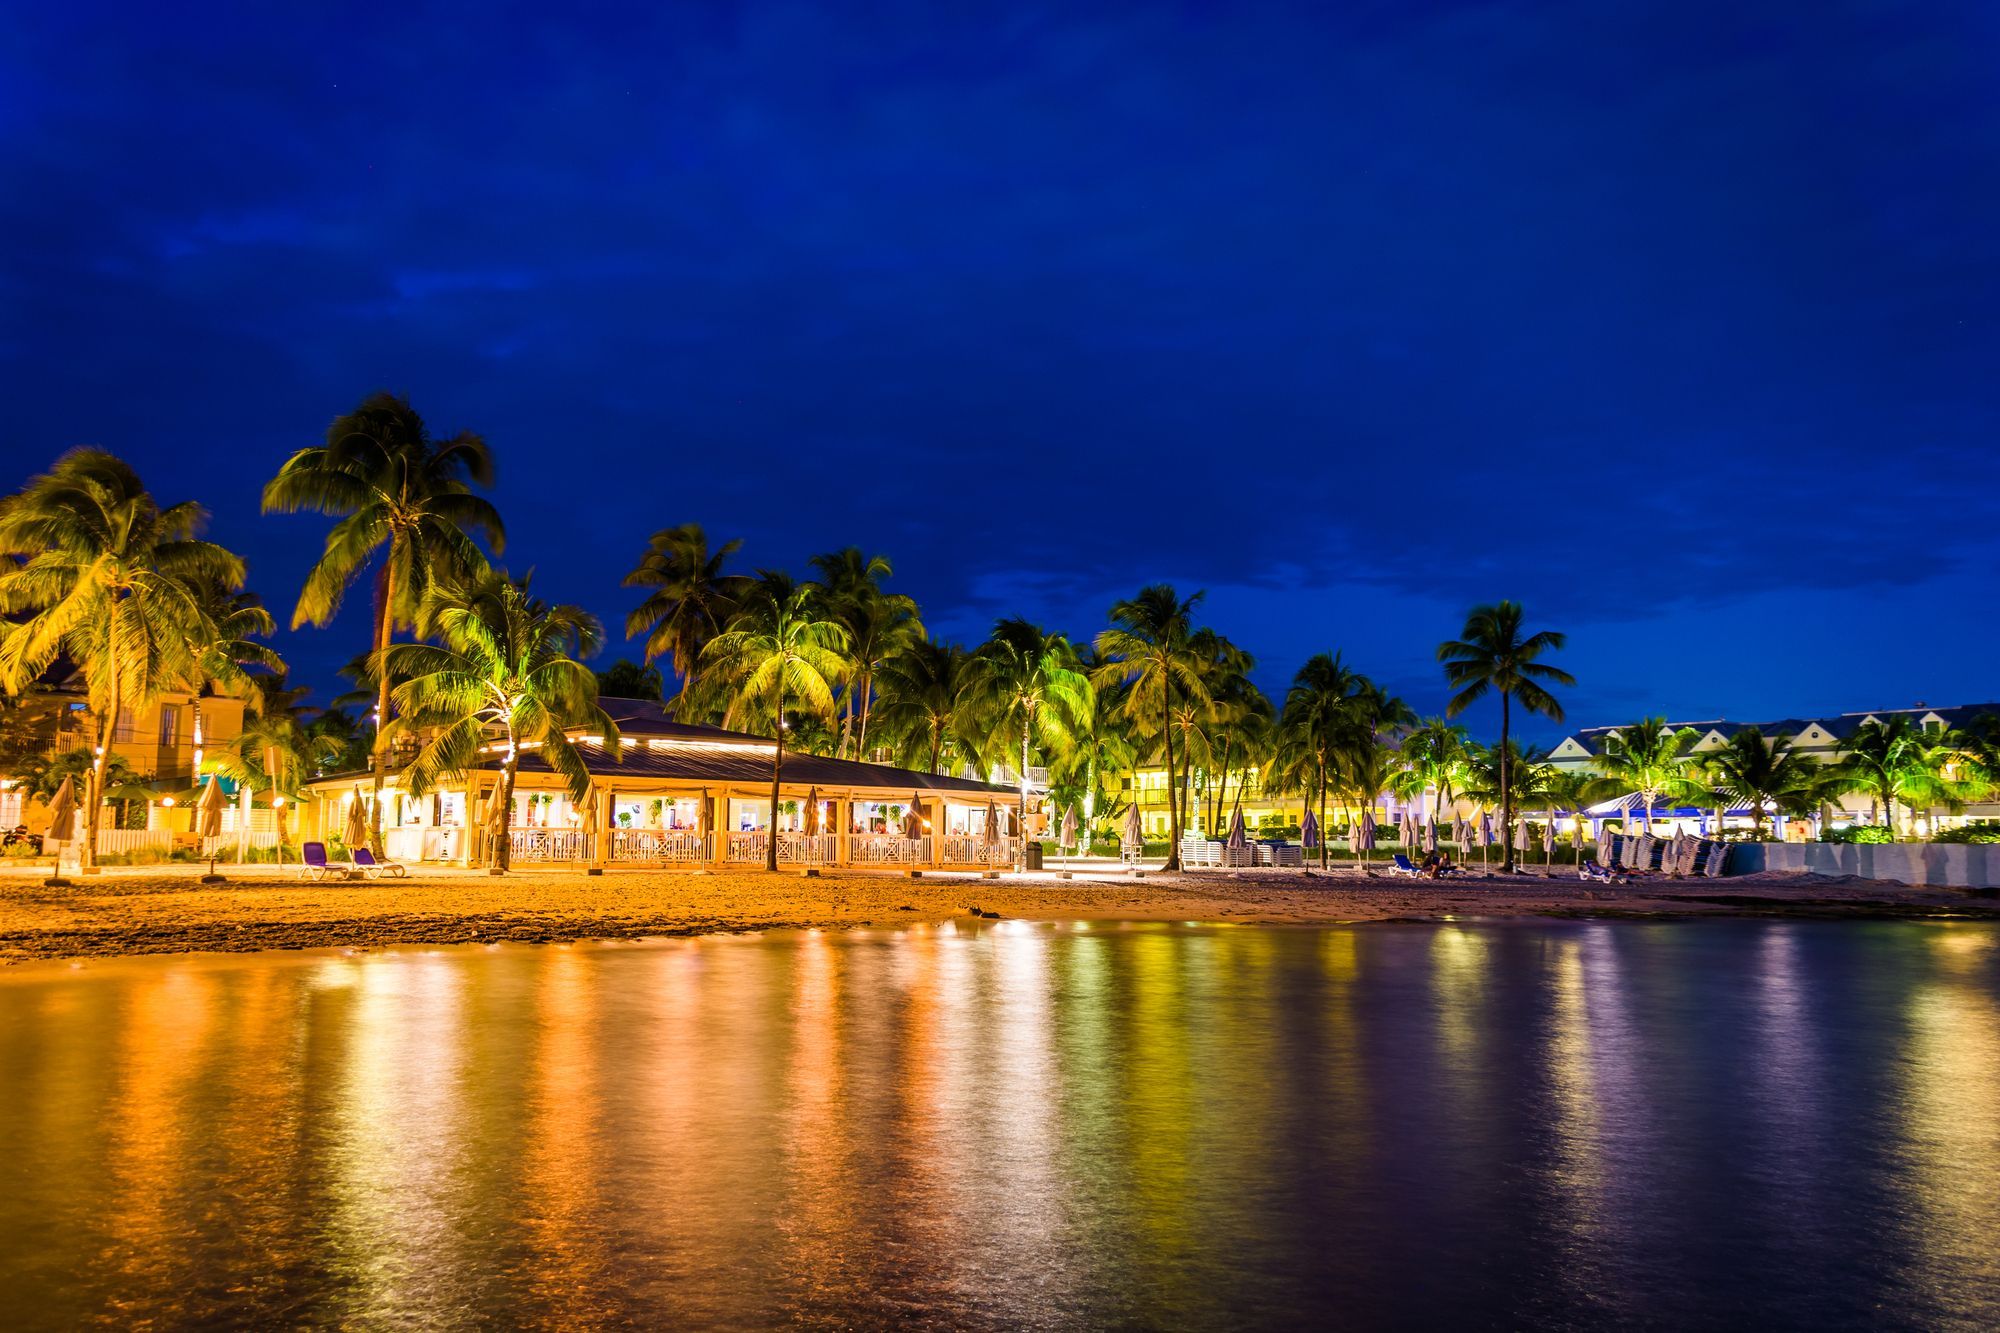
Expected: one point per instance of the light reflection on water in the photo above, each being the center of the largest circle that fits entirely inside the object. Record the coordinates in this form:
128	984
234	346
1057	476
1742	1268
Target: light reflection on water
1725	1123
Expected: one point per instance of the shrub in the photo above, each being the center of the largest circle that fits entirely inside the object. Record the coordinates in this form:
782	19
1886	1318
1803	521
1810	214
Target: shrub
1978	831
1858	833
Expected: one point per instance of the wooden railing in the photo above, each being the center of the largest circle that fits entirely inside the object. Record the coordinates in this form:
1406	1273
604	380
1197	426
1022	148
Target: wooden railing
547	844
963	849
673	846
889	849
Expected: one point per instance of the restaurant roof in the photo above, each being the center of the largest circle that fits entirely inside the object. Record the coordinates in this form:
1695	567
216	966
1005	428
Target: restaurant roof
727	763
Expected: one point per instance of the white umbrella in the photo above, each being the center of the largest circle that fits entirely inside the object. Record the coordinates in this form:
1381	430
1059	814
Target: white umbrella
992	822
62	812
1309	832
1237	840
1135	834
1069	827
1364	832
1430	835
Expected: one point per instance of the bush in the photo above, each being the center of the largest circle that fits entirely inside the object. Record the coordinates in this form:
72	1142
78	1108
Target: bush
1858	833
20	850
1978	831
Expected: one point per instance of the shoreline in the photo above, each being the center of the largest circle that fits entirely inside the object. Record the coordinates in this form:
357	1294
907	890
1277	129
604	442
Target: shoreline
165	910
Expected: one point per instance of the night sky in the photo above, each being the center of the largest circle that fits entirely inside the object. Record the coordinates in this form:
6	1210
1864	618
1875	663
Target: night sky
1675	322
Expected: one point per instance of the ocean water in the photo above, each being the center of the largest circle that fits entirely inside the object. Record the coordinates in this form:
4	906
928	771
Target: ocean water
1560	1125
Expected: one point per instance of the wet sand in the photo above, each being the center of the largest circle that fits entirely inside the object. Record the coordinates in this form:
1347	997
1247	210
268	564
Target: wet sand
164	909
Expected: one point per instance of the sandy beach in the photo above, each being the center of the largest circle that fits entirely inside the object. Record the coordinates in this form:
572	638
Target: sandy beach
166	909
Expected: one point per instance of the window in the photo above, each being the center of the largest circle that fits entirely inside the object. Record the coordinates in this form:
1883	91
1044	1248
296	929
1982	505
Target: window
124	732
170	727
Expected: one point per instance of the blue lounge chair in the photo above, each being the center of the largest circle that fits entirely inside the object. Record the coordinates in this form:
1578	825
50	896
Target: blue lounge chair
373	869
1402	866
316	865
1597	874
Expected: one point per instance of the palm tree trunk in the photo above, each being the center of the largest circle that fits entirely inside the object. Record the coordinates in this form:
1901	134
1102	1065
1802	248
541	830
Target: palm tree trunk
777	776
1021	859
1323	833
861	737
503	854
384	625
94	789
1506	791
1173	810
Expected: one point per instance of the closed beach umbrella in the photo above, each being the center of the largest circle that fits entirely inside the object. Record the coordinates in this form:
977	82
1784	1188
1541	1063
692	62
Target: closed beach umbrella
357	820
1461	832
1069	827
1367	830
993	822
913	820
1237	838
1135	833
208	809
1486	838
1521	836
1309	832
812	812
1430	835
62	812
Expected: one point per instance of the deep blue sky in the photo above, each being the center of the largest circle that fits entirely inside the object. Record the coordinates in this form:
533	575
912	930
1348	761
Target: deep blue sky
1676	322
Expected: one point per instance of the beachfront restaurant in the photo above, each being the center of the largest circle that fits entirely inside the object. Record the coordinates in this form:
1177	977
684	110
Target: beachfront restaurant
687	795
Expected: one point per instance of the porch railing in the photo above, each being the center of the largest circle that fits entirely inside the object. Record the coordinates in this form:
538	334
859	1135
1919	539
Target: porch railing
667	845
889	849
547	844
113	841
963	849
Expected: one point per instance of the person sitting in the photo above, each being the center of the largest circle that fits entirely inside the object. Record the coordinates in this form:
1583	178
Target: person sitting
1430	864
1444	866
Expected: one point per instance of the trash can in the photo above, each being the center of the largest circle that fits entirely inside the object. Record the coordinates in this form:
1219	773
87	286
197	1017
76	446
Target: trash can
1034	854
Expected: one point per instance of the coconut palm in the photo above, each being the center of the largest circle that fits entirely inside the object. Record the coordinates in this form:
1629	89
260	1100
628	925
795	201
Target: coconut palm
276	752
1922	767
1567	789
1492	655
1433	761
1507	777
503	667
1149	645
1760	771
102	574
922	708
406	506
1318	717
1024	686
879	624
691	601
781	651
1649	759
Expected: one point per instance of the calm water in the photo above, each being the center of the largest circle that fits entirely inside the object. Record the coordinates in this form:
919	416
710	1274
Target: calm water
1714	1124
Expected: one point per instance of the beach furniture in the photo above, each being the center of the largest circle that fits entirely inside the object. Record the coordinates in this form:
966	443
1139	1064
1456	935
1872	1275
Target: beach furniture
1401	866
316	866
1597	874
373	869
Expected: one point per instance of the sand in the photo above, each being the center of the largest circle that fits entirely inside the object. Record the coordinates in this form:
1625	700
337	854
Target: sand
164	909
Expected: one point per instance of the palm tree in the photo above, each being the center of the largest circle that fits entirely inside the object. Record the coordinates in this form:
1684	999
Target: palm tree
1149	645
1316	721
781	649
276	751
1506	776
1491	654
879	624
1762	770
1567	789
102	574
1433	761
923	707
1025	682
399	494
504	667
1897	760
1651	760
691	601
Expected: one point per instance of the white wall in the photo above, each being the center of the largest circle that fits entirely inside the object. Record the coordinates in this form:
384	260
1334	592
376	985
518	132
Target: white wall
1937	865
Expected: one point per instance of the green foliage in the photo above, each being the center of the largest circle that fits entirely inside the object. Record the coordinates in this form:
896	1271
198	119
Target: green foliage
690	601
1858	833
1978	831
626	679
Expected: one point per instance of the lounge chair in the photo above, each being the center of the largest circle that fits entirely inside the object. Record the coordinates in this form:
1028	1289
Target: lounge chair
1593	873
365	861
316	866
1401	866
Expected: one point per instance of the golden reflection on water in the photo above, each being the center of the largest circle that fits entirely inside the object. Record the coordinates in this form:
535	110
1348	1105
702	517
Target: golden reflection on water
1952	1110
1016	1126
